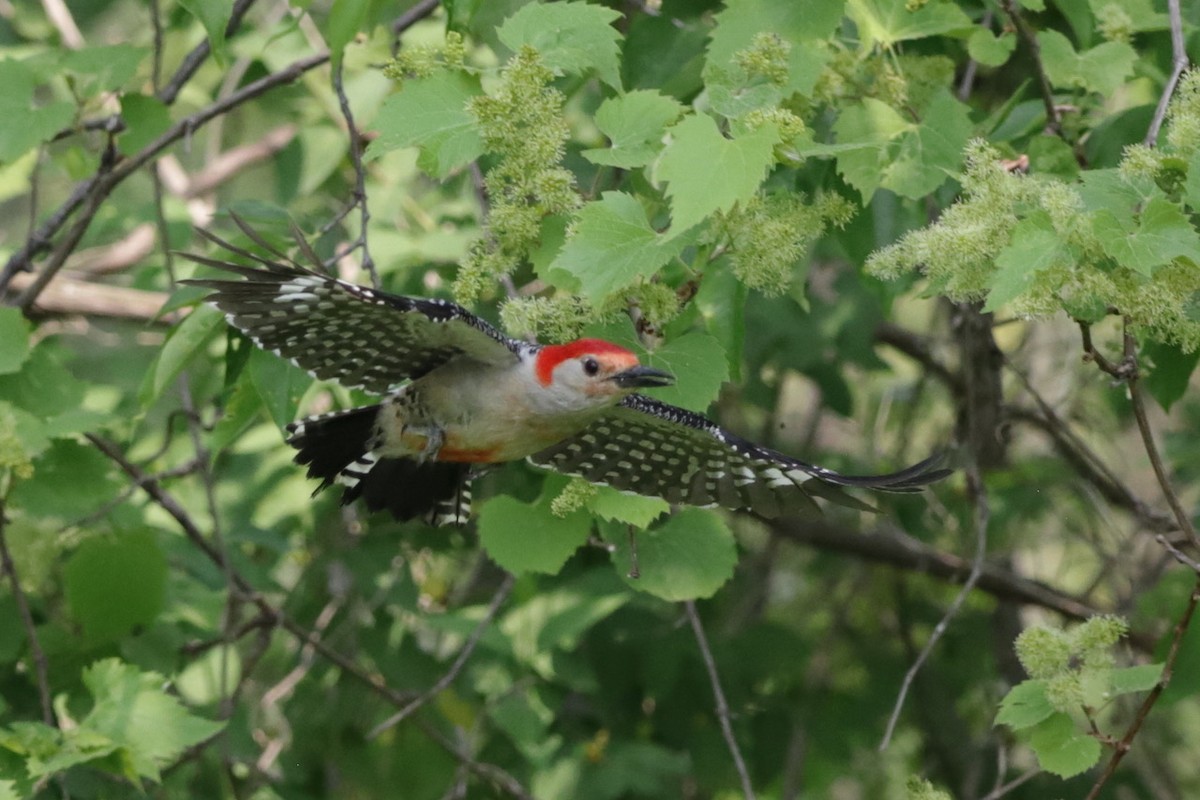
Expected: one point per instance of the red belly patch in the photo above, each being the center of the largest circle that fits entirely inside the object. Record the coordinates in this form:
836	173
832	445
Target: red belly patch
471	456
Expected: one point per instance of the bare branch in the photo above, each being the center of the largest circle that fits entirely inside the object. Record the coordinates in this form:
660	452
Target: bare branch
722	706
1122	747
978	495
413	15
71	295
460	661
199	54
40	665
1179	63
360	173
168	503
1053	120
231	162
1015	783
905	552
60	16
95	189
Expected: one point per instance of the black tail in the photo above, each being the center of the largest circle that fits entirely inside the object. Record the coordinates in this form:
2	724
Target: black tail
339	447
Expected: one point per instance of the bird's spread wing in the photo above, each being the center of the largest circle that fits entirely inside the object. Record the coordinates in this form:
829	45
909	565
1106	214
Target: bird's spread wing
652	448
340	331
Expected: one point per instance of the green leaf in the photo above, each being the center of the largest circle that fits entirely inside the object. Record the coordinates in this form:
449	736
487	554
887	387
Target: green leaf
528	538
431	113
115	584
557	618
146	118
1034	247
214	16
690	556
69	481
697	360
103	68
50	751
1191	185
1063	749
279	383
909	159
882	23
721	302
1102	69
1162	234
1141	678
733	169
241	409
613	247
571	38
186	342
14	332
131	710
43	386
634	123
1171	373
991	50
346	18
1025	705
211	677
741	20
38	123
630	509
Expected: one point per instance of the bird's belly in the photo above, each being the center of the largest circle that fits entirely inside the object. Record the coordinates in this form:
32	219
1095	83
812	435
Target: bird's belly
510	440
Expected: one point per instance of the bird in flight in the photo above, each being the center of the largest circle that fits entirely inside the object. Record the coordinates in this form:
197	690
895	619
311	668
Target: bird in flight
458	396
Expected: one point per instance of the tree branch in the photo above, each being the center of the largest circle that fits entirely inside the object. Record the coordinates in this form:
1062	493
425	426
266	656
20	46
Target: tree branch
460	661
905	552
96	189
978	493
1053	120
36	653
1179	63
168	503
710	665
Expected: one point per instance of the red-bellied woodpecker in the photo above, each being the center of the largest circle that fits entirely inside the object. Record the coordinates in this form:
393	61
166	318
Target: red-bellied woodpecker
459	395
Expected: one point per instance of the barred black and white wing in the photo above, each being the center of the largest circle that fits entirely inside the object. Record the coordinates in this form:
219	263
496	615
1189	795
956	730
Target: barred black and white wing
359	337
651	448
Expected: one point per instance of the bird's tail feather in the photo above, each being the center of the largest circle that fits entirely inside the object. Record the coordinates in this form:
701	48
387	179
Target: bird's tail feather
340	448
909	479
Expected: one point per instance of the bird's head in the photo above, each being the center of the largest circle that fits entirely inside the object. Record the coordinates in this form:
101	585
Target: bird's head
594	371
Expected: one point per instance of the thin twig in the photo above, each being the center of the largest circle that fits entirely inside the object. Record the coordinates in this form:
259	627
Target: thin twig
1182	518
968	79
58	14
459	662
1122	747
414	15
360	173
199	54
978	494
1053	121
1020	780
1128	370
40	665
94	189
1179	63
906	552
68	245
723	715
168	503
1178	554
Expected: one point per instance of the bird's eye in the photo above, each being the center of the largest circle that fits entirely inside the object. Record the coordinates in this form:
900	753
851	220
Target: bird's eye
591	366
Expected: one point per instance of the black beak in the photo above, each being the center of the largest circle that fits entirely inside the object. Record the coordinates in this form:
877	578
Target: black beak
640	377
